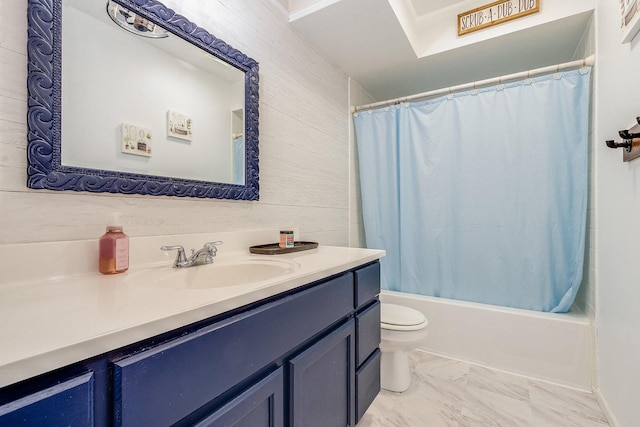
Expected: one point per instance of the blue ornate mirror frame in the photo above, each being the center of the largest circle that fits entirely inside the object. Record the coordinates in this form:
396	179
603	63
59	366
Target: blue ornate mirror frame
45	170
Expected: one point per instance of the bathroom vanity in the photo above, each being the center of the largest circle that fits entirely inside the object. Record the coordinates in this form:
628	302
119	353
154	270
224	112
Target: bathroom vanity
303	352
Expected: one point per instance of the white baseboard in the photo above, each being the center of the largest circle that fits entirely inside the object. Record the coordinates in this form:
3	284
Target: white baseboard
606	409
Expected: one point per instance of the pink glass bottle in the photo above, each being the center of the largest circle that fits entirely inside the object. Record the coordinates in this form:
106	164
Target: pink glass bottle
114	251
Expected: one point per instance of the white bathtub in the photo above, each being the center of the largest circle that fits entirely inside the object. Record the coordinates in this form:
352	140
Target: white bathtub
545	346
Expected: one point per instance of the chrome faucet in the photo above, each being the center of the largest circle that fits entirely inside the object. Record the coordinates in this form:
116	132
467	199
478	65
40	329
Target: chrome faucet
203	255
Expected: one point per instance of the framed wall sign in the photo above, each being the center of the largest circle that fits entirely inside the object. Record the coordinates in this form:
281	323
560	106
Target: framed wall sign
496	13
630	19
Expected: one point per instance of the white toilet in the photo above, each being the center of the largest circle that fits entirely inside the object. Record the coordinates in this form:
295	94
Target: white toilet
402	330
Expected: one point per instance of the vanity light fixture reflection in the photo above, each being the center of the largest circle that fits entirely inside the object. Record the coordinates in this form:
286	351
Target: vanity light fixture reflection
133	23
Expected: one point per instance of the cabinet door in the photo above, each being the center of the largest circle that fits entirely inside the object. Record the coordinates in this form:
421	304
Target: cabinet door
260	406
69	403
322	382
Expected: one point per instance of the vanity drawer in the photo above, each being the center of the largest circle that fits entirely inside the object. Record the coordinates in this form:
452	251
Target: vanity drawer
162	385
69	403
367	384
367	284
367	332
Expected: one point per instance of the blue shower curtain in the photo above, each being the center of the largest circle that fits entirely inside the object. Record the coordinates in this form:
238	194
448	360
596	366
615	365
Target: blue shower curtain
481	195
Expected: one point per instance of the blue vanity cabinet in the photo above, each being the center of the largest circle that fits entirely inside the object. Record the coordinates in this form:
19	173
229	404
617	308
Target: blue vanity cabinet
322	381
367	318
68	403
169	382
307	357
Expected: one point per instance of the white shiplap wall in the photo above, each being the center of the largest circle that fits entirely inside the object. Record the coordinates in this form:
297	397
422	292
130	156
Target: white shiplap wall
304	142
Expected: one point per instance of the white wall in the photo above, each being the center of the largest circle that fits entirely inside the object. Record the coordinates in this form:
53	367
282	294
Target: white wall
304	143
137	85
617	226
434	32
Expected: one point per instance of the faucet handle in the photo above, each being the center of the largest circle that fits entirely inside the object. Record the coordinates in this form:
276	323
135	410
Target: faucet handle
181	258
212	246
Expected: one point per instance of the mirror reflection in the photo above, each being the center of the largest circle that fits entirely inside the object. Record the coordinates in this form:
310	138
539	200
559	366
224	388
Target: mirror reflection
153	106
175	115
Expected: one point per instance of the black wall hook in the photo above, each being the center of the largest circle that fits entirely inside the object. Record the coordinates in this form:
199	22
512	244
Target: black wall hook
625	134
626	144
630	142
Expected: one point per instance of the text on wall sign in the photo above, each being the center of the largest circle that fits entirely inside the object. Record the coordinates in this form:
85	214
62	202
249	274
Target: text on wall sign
495	13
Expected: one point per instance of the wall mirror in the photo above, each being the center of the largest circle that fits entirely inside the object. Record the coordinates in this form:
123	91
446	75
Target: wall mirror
126	96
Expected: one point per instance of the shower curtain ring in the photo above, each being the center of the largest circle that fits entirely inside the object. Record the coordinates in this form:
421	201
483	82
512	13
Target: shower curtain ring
475	89
558	74
528	80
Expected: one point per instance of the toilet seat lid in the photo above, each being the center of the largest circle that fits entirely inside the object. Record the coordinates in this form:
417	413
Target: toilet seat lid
393	316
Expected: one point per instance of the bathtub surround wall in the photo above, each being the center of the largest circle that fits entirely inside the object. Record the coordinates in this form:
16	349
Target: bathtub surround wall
303	126
585	300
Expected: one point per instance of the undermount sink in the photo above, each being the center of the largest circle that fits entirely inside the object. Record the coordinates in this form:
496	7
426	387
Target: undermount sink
220	274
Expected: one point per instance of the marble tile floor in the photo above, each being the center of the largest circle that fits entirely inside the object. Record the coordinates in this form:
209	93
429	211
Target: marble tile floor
450	393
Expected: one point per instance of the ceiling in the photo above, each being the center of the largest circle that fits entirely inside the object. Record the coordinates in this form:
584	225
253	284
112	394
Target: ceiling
423	7
365	39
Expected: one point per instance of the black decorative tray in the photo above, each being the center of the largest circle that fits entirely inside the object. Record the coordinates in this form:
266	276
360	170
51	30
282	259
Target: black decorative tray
275	249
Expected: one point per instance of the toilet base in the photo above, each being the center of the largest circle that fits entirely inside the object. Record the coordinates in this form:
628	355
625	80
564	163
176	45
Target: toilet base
395	372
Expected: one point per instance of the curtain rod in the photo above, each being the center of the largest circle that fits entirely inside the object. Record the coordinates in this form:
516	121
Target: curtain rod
590	61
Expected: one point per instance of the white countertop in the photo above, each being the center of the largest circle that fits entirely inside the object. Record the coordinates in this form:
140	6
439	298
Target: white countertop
50	323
